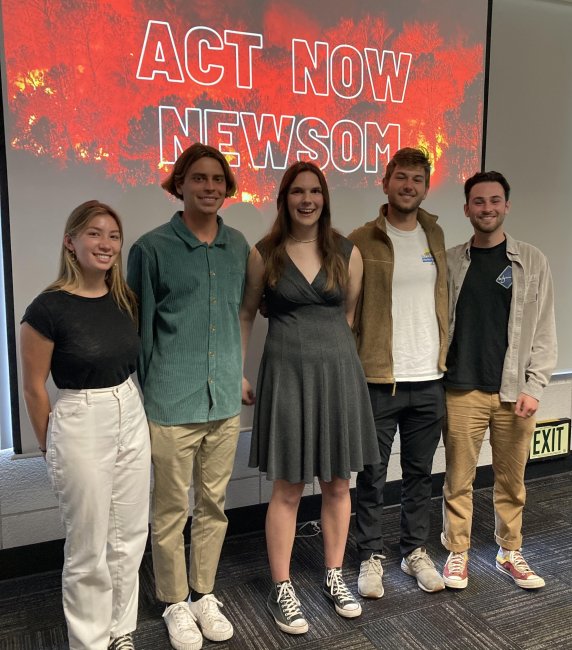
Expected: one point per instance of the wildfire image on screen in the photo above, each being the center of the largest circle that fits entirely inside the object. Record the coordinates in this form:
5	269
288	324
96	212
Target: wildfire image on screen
126	86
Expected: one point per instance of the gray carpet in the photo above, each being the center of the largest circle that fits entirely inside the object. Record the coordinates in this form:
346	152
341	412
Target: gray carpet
492	613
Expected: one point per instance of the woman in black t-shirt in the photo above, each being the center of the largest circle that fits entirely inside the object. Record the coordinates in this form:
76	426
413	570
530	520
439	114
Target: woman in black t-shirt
95	438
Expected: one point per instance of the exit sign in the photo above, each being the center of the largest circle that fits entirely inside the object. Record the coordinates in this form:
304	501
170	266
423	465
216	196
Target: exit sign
550	439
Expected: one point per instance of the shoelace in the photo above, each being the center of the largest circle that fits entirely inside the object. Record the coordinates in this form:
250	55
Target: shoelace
421	561
209	606
456	563
520	563
374	564
338	587
287	600
182	612
124	642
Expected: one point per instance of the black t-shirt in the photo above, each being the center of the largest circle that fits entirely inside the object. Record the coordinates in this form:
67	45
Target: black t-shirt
476	355
95	343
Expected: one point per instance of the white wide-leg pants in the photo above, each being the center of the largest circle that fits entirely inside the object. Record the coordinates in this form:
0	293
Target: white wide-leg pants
98	457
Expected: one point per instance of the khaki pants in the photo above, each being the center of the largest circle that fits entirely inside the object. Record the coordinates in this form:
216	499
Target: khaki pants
469	414
201	455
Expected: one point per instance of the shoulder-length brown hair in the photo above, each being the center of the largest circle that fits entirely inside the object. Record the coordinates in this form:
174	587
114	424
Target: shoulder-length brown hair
190	156
274	244
70	271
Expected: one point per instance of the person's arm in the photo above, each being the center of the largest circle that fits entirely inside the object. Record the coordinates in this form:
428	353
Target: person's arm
139	279
544	352
36	355
251	299
354	284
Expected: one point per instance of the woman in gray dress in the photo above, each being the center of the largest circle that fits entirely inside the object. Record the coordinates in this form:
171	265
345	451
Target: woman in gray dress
313	415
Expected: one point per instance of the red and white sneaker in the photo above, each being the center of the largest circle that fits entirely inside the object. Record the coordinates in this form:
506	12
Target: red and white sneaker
455	573
514	565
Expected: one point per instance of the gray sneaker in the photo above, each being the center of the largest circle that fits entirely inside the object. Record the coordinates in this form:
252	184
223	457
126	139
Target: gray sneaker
285	608
419	565
369	583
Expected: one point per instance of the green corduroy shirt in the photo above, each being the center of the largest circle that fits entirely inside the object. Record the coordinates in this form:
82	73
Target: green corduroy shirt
190	366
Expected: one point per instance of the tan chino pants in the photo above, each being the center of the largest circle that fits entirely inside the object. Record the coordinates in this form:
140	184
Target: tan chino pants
469	414
201	455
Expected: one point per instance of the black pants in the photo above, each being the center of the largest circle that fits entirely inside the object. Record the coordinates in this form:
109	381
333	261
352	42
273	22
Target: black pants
417	408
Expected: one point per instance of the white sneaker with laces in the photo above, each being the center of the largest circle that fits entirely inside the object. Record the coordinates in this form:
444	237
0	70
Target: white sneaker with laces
369	583
183	631
214	625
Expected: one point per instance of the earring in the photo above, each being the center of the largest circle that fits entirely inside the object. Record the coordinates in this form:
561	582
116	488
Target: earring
72	255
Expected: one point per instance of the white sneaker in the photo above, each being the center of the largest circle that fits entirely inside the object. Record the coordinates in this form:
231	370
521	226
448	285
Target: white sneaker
183	631
214	625
369	582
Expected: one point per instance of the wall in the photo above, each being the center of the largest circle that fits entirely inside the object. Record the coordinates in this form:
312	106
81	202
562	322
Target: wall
29	513
530	89
529	134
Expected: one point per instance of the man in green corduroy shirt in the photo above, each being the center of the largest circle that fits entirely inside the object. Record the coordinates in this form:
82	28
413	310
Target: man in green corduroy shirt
189	276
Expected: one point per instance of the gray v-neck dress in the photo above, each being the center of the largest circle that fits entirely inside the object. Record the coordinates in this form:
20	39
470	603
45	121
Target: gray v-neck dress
313	415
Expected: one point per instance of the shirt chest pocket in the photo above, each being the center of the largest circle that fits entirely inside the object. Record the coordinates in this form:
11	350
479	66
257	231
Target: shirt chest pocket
232	284
531	289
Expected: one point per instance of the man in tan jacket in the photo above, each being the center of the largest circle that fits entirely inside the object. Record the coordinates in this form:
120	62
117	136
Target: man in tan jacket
401	334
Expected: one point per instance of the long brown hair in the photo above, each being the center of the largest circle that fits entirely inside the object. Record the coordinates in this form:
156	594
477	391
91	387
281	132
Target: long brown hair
274	244
69	275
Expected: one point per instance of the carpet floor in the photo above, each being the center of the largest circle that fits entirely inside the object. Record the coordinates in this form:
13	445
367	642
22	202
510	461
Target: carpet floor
491	613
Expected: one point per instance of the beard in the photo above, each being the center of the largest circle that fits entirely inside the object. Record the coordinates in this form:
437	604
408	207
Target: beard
405	207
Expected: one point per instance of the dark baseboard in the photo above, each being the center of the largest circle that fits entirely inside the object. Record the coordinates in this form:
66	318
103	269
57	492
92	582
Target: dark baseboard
48	556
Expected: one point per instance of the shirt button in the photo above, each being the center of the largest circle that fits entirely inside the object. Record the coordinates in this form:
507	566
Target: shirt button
213	300
210	380
213	328
211	354
212	274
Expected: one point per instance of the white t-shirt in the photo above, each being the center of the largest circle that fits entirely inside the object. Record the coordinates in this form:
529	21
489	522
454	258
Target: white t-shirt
415	327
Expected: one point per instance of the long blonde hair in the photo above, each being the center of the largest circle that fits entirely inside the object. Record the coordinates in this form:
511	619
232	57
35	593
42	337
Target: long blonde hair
69	275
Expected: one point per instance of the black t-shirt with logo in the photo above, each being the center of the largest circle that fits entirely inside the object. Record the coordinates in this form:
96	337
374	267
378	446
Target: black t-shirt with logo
477	351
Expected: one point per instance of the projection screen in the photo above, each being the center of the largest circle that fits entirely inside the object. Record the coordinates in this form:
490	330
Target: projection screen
101	97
